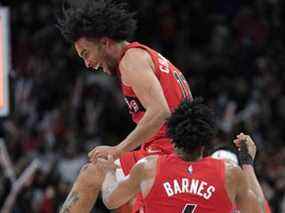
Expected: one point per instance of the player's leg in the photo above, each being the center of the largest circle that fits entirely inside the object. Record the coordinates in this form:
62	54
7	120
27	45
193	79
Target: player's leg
85	190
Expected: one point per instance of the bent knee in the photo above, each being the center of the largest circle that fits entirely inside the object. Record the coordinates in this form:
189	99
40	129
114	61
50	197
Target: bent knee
90	176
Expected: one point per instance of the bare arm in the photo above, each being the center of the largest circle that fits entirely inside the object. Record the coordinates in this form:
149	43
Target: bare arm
254	185
116	193
245	200
248	150
137	72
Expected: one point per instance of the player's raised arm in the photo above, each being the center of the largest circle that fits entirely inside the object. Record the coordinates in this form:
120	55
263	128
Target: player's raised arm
247	151
137	71
244	199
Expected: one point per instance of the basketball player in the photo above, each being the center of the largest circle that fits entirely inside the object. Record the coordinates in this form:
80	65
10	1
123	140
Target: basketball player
184	181
152	85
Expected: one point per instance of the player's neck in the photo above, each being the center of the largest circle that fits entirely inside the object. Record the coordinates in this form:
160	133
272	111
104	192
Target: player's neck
194	156
191	158
120	47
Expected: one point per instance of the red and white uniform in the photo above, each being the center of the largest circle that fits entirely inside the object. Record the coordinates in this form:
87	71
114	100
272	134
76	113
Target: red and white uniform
195	187
175	89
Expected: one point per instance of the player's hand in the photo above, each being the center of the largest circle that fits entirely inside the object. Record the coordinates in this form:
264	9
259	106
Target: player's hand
242	138
103	152
107	164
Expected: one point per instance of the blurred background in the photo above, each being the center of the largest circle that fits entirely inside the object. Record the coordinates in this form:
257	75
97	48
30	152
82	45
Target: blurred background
231	51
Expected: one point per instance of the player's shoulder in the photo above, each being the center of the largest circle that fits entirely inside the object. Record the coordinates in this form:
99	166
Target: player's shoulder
135	51
133	56
145	167
148	161
134	65
233	171
229	165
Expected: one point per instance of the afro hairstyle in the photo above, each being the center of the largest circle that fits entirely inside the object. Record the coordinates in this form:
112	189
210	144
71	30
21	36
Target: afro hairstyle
97	19
191	125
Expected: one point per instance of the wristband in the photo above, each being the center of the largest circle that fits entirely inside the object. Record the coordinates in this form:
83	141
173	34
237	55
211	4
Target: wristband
244	156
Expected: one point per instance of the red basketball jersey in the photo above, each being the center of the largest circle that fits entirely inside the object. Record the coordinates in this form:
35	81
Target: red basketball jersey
173	83
195	187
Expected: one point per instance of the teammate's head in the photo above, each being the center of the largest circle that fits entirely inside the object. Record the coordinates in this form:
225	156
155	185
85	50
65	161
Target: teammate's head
95	28
191	126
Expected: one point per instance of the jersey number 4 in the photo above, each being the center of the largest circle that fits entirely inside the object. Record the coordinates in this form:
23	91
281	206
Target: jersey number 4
182	84
189	208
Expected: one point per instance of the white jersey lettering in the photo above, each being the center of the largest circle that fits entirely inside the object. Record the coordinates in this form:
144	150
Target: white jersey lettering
163	64
168	189
191	186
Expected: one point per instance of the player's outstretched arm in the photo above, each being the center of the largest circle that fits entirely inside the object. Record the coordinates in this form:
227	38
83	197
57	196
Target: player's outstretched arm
116	193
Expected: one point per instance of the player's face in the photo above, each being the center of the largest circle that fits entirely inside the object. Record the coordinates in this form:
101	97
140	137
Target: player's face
94	54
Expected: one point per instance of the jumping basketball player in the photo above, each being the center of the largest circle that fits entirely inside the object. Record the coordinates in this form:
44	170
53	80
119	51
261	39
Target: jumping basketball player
153	87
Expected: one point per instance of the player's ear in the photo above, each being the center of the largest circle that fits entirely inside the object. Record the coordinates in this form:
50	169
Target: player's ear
105	42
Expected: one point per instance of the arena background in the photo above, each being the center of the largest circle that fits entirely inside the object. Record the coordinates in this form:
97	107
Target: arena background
232	53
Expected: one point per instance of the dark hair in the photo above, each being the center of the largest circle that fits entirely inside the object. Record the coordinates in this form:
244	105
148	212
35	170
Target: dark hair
191	125
96	19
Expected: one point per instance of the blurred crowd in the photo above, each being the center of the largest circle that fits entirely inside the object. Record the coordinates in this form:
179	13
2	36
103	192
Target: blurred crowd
232	53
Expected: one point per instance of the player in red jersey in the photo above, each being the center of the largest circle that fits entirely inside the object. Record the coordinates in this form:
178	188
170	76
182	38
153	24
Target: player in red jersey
183	181
152	86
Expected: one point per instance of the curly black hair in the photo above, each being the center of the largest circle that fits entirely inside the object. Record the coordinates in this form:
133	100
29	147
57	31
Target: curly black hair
96	19
191	125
